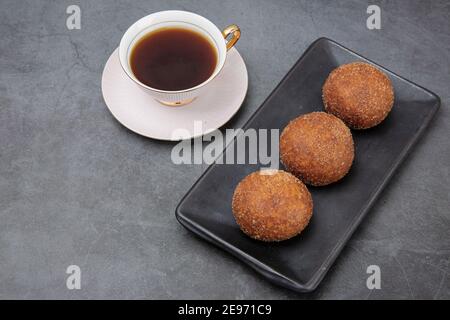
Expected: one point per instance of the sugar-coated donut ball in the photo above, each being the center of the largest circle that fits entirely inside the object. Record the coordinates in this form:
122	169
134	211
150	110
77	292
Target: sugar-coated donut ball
317	148
272	205
359	94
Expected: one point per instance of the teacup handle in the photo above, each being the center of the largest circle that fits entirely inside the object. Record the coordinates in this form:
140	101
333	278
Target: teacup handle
233	30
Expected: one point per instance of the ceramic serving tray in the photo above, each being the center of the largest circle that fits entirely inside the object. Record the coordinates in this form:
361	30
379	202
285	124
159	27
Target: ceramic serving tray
301	263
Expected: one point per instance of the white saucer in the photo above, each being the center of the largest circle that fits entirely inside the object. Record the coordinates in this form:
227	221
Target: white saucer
139	112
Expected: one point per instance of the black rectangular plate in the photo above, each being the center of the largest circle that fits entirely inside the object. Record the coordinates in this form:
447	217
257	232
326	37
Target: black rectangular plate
301	263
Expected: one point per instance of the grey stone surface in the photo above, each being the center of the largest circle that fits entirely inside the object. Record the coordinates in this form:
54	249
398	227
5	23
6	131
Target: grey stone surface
78	188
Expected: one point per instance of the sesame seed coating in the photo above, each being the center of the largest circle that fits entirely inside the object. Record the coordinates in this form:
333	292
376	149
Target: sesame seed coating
317	148
359	94
272	207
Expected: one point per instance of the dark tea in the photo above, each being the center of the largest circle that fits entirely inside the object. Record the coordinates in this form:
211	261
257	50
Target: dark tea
173	59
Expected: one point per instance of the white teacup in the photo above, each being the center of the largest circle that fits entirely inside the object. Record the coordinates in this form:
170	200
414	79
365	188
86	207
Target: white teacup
175	18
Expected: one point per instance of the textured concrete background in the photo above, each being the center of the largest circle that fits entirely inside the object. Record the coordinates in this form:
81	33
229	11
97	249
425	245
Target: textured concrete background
78	188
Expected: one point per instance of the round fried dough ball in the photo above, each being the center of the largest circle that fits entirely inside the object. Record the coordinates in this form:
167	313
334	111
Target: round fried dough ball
359	94
317	148
272	205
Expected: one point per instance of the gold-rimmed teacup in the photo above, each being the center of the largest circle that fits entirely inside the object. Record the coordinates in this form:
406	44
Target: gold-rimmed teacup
222	42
